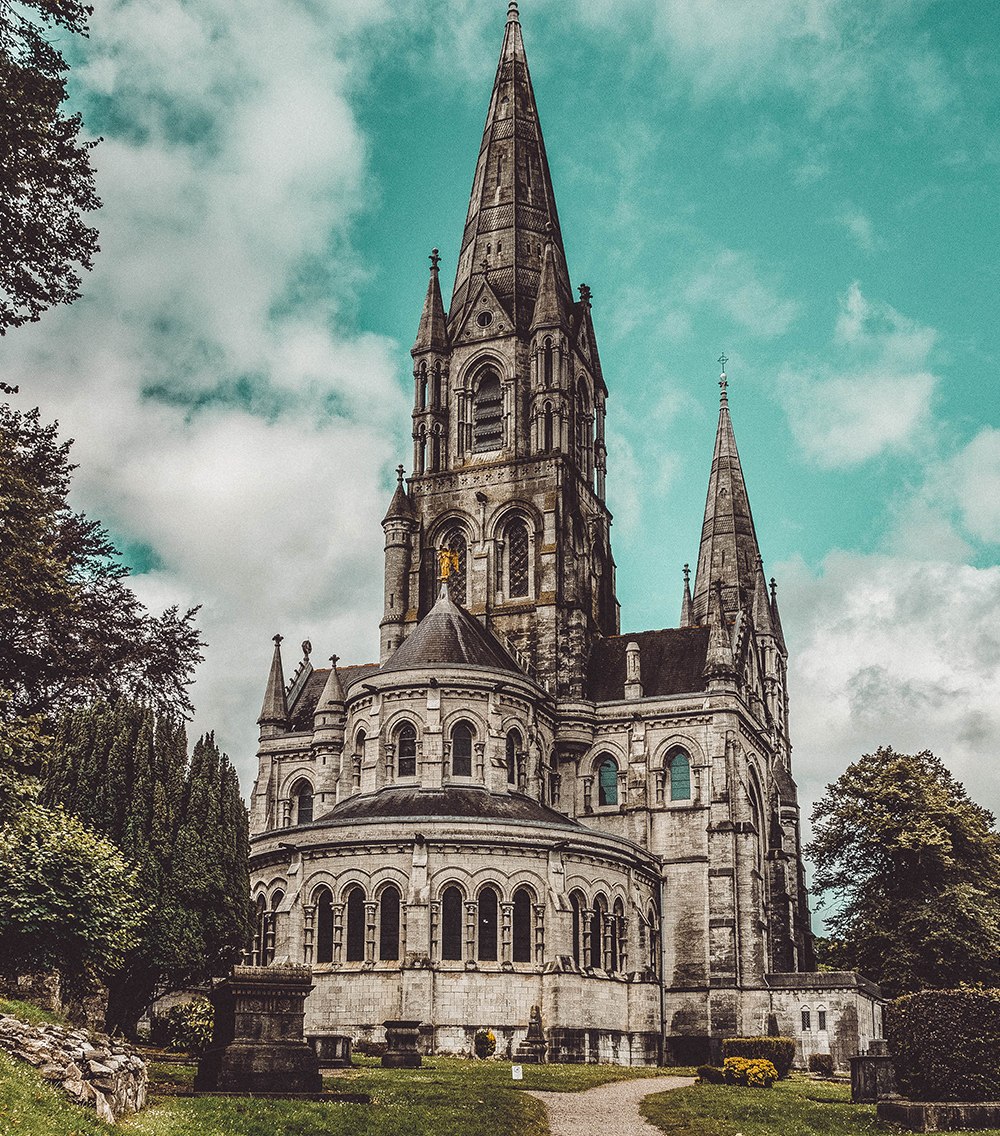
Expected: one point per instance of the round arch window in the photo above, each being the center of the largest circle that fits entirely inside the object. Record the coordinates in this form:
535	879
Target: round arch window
484	319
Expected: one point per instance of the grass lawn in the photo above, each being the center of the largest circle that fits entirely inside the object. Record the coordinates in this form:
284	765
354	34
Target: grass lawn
795	1107
26	1012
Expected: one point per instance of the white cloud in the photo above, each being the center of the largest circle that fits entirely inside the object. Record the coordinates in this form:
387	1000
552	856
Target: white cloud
876	397
973	476
859	225
730	281
889	651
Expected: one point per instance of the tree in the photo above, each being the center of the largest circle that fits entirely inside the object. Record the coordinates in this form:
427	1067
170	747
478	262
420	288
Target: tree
68	899
46	179
125	771
71	630
914	868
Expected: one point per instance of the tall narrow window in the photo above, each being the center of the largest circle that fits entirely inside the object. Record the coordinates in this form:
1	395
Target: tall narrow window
406	752
487	411
806	1021
355	925
435	449
451	923
457	586
514	744
597	935
388	927
488	925
654	941
607	783
522	926
271	928
422	386
576	902
260	925
461	751
547	362
302	799
680	777
324	926
517	559
436	387
547	441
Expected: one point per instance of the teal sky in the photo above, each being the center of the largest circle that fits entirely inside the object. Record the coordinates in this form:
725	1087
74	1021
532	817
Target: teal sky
809	186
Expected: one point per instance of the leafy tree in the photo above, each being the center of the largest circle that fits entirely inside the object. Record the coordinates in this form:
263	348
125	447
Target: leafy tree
71	630
125	770
46	180
68	899
914	868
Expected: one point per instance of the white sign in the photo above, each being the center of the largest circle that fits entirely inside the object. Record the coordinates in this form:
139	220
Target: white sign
515	1073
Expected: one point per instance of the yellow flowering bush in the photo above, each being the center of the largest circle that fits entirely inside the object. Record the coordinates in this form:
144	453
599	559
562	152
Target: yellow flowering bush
485	1043
754	1073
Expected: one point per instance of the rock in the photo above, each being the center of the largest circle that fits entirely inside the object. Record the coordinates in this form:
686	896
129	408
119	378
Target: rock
52	1072
103	1108
73	1072
97	1069
76	1089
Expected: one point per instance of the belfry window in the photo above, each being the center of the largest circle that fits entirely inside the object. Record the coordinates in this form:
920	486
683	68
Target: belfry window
488	907
487	411
680	777
355	925
324	925
406	752
547	441
607	782
461	751
388	932
451	923
522	926
547	362
517	559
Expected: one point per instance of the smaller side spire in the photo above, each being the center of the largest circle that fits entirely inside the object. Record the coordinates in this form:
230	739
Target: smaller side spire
400	507
432	334
548	307
332	697
761	609
686	609
720	666
776	619
274	712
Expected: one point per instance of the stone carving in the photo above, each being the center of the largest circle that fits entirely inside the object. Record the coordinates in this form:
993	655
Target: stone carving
532	1050
401	1045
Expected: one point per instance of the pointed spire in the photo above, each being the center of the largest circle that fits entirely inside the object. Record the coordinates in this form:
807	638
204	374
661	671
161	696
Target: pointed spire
275	709
776	619
332	697
512	203
729	551
761	603
400	507
432	335
686	617
549	311
719	662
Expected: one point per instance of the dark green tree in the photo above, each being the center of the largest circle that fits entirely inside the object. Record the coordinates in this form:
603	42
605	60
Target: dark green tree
71	630
46	179
125	769
913	868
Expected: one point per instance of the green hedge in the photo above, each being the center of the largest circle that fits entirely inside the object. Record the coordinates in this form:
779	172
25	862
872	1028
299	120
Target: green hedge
945	1044
821	1063
780	1051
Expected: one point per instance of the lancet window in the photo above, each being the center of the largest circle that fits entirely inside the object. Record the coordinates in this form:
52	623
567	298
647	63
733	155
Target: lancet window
302	801
488	937
487	412
356	925
680	777
461	750
514	746
451	924
324	925
607	782
521	930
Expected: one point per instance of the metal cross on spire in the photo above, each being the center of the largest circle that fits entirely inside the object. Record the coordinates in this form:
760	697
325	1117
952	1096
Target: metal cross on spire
723	381
434	258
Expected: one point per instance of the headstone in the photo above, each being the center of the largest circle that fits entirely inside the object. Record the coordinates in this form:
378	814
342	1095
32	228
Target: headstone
333	1050
532	1050
257	1043
873	1077
401	1045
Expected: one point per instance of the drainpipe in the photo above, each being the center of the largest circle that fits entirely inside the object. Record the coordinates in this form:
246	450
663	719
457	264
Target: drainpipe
663	975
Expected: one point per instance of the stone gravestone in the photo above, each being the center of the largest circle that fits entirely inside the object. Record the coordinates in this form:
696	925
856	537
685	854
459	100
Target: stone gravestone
401	1045
873	1077
532	1050
257	1043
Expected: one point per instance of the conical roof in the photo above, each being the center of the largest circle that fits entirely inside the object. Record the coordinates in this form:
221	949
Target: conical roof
432	335
548	307
729	552
274	712
449	636
512	208
400	506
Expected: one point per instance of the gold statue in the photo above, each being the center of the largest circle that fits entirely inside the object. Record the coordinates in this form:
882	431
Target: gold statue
448	559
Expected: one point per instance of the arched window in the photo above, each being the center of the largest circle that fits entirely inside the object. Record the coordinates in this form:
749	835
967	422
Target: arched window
488	906
514	745
547	363
461	750
388	932
607	782
435	449
517	559
456	543
436	387
421	449
302	802
597	934
487	412
582	428
406	752
522	925
653	924
324	925
451	923
356	925
422	386
680	777
547	445
578	903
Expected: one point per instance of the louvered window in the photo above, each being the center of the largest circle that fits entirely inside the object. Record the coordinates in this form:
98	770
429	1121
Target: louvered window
488	413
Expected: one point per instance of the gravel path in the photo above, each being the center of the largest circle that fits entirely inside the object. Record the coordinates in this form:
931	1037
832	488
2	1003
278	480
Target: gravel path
610	1110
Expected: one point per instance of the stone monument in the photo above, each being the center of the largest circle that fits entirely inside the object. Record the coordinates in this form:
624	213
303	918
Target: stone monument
532	1050
257	1043
401	1045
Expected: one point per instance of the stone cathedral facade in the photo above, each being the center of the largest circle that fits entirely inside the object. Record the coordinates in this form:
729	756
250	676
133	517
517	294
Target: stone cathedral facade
518	805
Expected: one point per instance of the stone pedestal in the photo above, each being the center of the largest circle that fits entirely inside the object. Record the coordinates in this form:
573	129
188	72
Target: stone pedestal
401	1045
533	1049
333	1050
257	1043
873	1077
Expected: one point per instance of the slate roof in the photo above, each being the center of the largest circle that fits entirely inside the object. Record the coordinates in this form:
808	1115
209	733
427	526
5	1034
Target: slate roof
301	714
400	802
670	662
449	636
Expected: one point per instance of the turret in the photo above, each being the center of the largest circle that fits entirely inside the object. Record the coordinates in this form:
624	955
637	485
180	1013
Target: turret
720	668
398	525
273	718
687	619
328	735
430	377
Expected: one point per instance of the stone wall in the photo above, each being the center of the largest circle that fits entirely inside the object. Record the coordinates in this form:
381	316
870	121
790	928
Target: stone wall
91	1068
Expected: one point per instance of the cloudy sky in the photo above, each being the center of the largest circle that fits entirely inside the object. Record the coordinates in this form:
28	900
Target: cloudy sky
808	185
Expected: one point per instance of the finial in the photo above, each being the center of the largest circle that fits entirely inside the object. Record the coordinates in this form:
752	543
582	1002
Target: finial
774	589
276	639
399	475
723	381
512	16
306	648
584	294
687	574
434	259
333	661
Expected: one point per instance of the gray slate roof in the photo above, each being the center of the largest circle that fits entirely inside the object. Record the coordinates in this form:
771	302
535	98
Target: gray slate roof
670	662
449	802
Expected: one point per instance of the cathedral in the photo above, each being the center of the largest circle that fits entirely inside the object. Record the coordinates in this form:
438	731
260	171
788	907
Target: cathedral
519	805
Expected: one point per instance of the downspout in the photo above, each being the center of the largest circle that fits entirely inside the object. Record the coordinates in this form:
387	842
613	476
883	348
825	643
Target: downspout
663	975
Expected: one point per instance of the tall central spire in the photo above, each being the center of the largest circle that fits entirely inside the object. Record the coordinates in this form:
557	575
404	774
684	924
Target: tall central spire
512	210
729	552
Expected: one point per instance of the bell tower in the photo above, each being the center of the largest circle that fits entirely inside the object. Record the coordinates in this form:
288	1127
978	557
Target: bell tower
508	418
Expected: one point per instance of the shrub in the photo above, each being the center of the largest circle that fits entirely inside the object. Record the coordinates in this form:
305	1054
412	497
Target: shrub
755	1073
780	1051
821	1063
946	1044
485	1043
368	1048
712	1074
188	1026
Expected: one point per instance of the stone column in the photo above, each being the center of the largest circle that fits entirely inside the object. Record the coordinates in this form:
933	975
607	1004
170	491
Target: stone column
435	949
308	928
371	920
471	917
338	933
588	793
506	927
539	932
480	748
587	921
